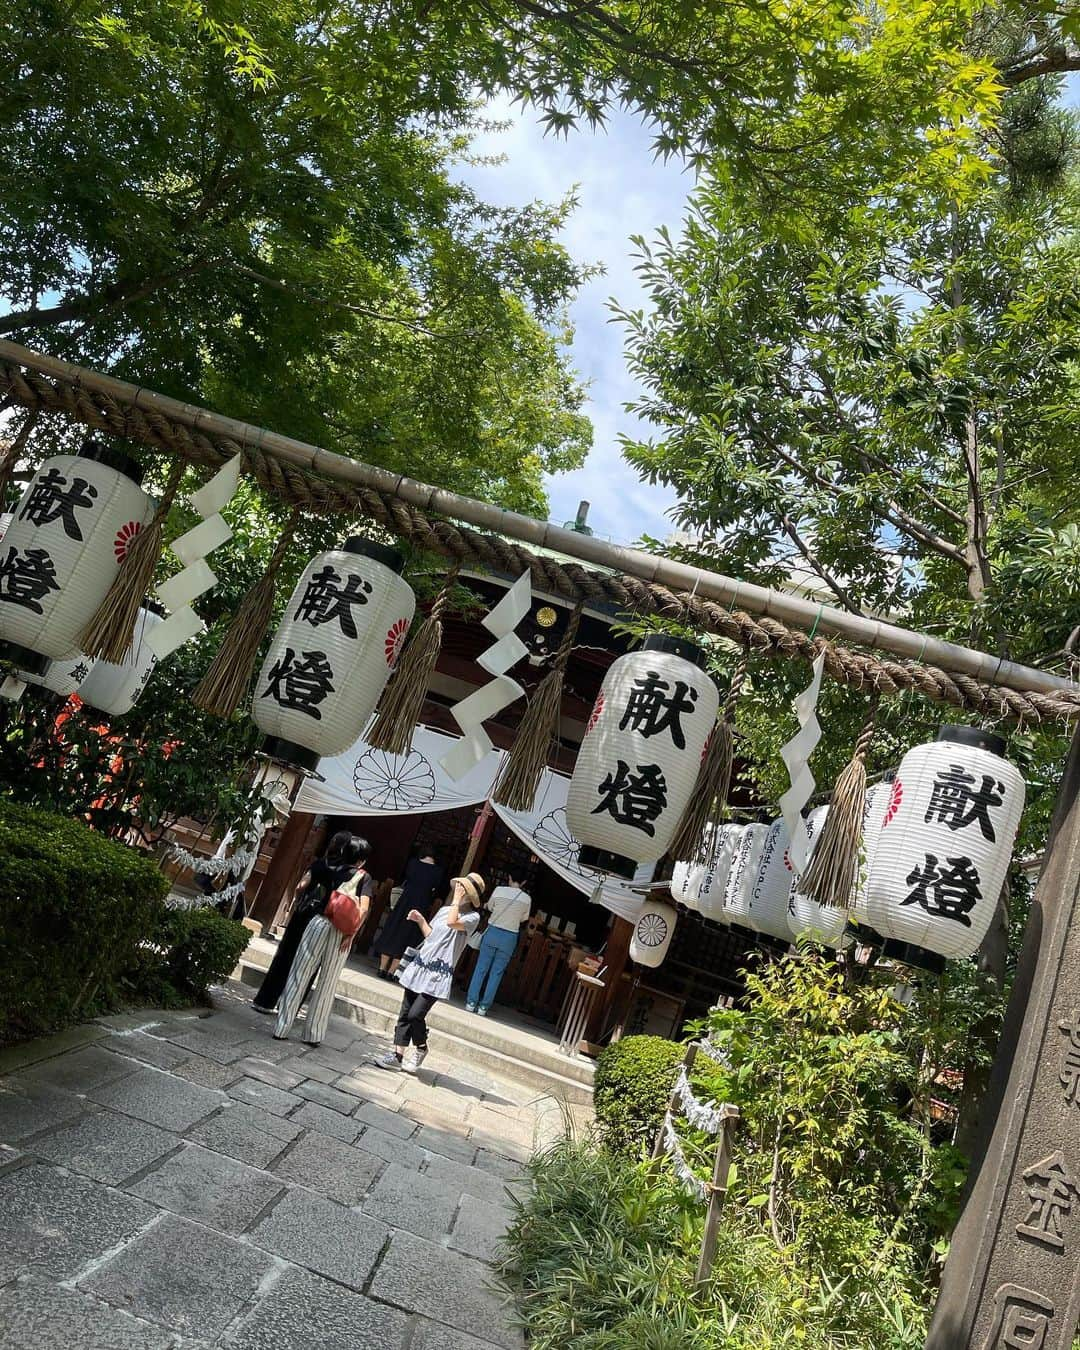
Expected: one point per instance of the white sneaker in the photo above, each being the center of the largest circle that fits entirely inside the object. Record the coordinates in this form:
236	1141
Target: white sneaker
470	1007
388	1061
413	1059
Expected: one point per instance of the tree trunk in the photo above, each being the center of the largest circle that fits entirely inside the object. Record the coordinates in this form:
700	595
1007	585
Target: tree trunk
977	562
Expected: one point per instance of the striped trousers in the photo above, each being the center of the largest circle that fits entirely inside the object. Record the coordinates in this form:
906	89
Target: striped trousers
319	954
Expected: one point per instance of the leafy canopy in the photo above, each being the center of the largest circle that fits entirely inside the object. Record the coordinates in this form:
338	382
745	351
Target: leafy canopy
264	214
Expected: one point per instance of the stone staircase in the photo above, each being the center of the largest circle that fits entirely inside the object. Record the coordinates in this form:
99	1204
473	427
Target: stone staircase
502	1044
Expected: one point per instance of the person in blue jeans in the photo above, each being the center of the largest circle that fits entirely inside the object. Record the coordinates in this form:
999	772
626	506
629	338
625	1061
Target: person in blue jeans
508	907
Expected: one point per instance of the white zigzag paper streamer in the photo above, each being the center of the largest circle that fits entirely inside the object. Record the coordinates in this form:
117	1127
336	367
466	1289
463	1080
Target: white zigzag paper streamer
191	548
491	698
694	1185
700	1116
796	755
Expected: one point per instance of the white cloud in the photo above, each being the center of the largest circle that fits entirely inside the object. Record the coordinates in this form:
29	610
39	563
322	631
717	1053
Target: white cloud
623	190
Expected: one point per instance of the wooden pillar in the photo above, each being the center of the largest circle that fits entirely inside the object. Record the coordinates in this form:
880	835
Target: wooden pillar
616	956
478	840
1013	1275
284	869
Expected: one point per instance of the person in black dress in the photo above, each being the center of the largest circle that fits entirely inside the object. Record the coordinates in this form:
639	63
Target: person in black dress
326	873
423	877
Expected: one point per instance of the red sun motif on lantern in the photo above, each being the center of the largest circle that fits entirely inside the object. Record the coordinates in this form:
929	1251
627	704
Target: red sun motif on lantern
594	716
125	536
896	796
787	860
395	640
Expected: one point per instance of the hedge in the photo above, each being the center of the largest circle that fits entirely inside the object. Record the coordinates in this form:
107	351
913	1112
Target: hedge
84	928
633	1082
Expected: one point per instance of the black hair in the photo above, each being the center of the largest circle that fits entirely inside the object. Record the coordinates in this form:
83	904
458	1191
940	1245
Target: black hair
346	848
338	848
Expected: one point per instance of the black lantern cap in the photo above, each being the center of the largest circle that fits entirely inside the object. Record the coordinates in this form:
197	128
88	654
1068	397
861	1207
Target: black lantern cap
380	553
113	459
290	754
604	861
32	662
689	651
911	955
981	740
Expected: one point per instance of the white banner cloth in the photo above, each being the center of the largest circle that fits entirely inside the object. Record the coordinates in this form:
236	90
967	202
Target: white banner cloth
367	782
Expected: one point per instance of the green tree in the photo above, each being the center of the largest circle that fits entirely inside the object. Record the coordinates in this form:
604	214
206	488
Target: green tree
266	216
880	402
884	405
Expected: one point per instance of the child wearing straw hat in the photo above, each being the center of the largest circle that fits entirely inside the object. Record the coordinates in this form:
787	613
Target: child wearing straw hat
426	972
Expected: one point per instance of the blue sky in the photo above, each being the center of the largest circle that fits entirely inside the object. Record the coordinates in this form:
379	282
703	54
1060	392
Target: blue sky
623	190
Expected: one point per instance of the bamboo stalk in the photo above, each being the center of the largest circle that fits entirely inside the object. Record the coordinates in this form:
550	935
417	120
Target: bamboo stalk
863	630
717	1196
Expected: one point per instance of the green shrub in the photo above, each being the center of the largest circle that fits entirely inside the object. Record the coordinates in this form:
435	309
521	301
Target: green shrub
201	948
838	1204
74	909
633	1082
603	1256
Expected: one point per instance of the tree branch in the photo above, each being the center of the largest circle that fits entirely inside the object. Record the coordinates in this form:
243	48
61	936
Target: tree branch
302	293
892	511
1053	60
931	496
116	295
841	594
869	457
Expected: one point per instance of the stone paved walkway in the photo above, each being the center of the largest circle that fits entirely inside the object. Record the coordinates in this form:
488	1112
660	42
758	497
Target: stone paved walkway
186	1181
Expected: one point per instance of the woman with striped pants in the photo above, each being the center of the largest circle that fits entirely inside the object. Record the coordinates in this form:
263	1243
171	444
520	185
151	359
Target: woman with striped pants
322	952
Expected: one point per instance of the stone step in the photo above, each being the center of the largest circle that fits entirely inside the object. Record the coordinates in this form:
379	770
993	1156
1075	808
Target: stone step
521	1056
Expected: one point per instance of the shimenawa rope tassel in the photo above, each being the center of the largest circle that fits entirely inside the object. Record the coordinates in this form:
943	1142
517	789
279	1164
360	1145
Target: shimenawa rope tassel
402	702
528	756
222	688
9	457
714	778
834	867
110	632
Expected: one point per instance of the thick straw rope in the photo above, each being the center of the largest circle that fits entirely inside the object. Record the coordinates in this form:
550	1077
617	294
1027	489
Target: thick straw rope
312	493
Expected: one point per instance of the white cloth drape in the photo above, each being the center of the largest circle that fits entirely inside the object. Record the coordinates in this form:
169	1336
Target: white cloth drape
367	782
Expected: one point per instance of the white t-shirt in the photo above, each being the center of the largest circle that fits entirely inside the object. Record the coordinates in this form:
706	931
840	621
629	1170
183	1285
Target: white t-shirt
508	907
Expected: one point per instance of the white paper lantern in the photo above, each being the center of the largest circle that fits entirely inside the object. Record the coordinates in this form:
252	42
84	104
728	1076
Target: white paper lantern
338	641
638	764
768	911
874	805
713	885
70	533
653	932
115	689
686	882
946	839
63	678
6	517
820	923
743	875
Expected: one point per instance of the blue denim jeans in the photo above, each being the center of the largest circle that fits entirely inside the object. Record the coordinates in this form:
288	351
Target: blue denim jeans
496	948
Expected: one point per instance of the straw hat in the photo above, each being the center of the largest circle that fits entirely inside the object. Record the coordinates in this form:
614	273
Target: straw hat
474	887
